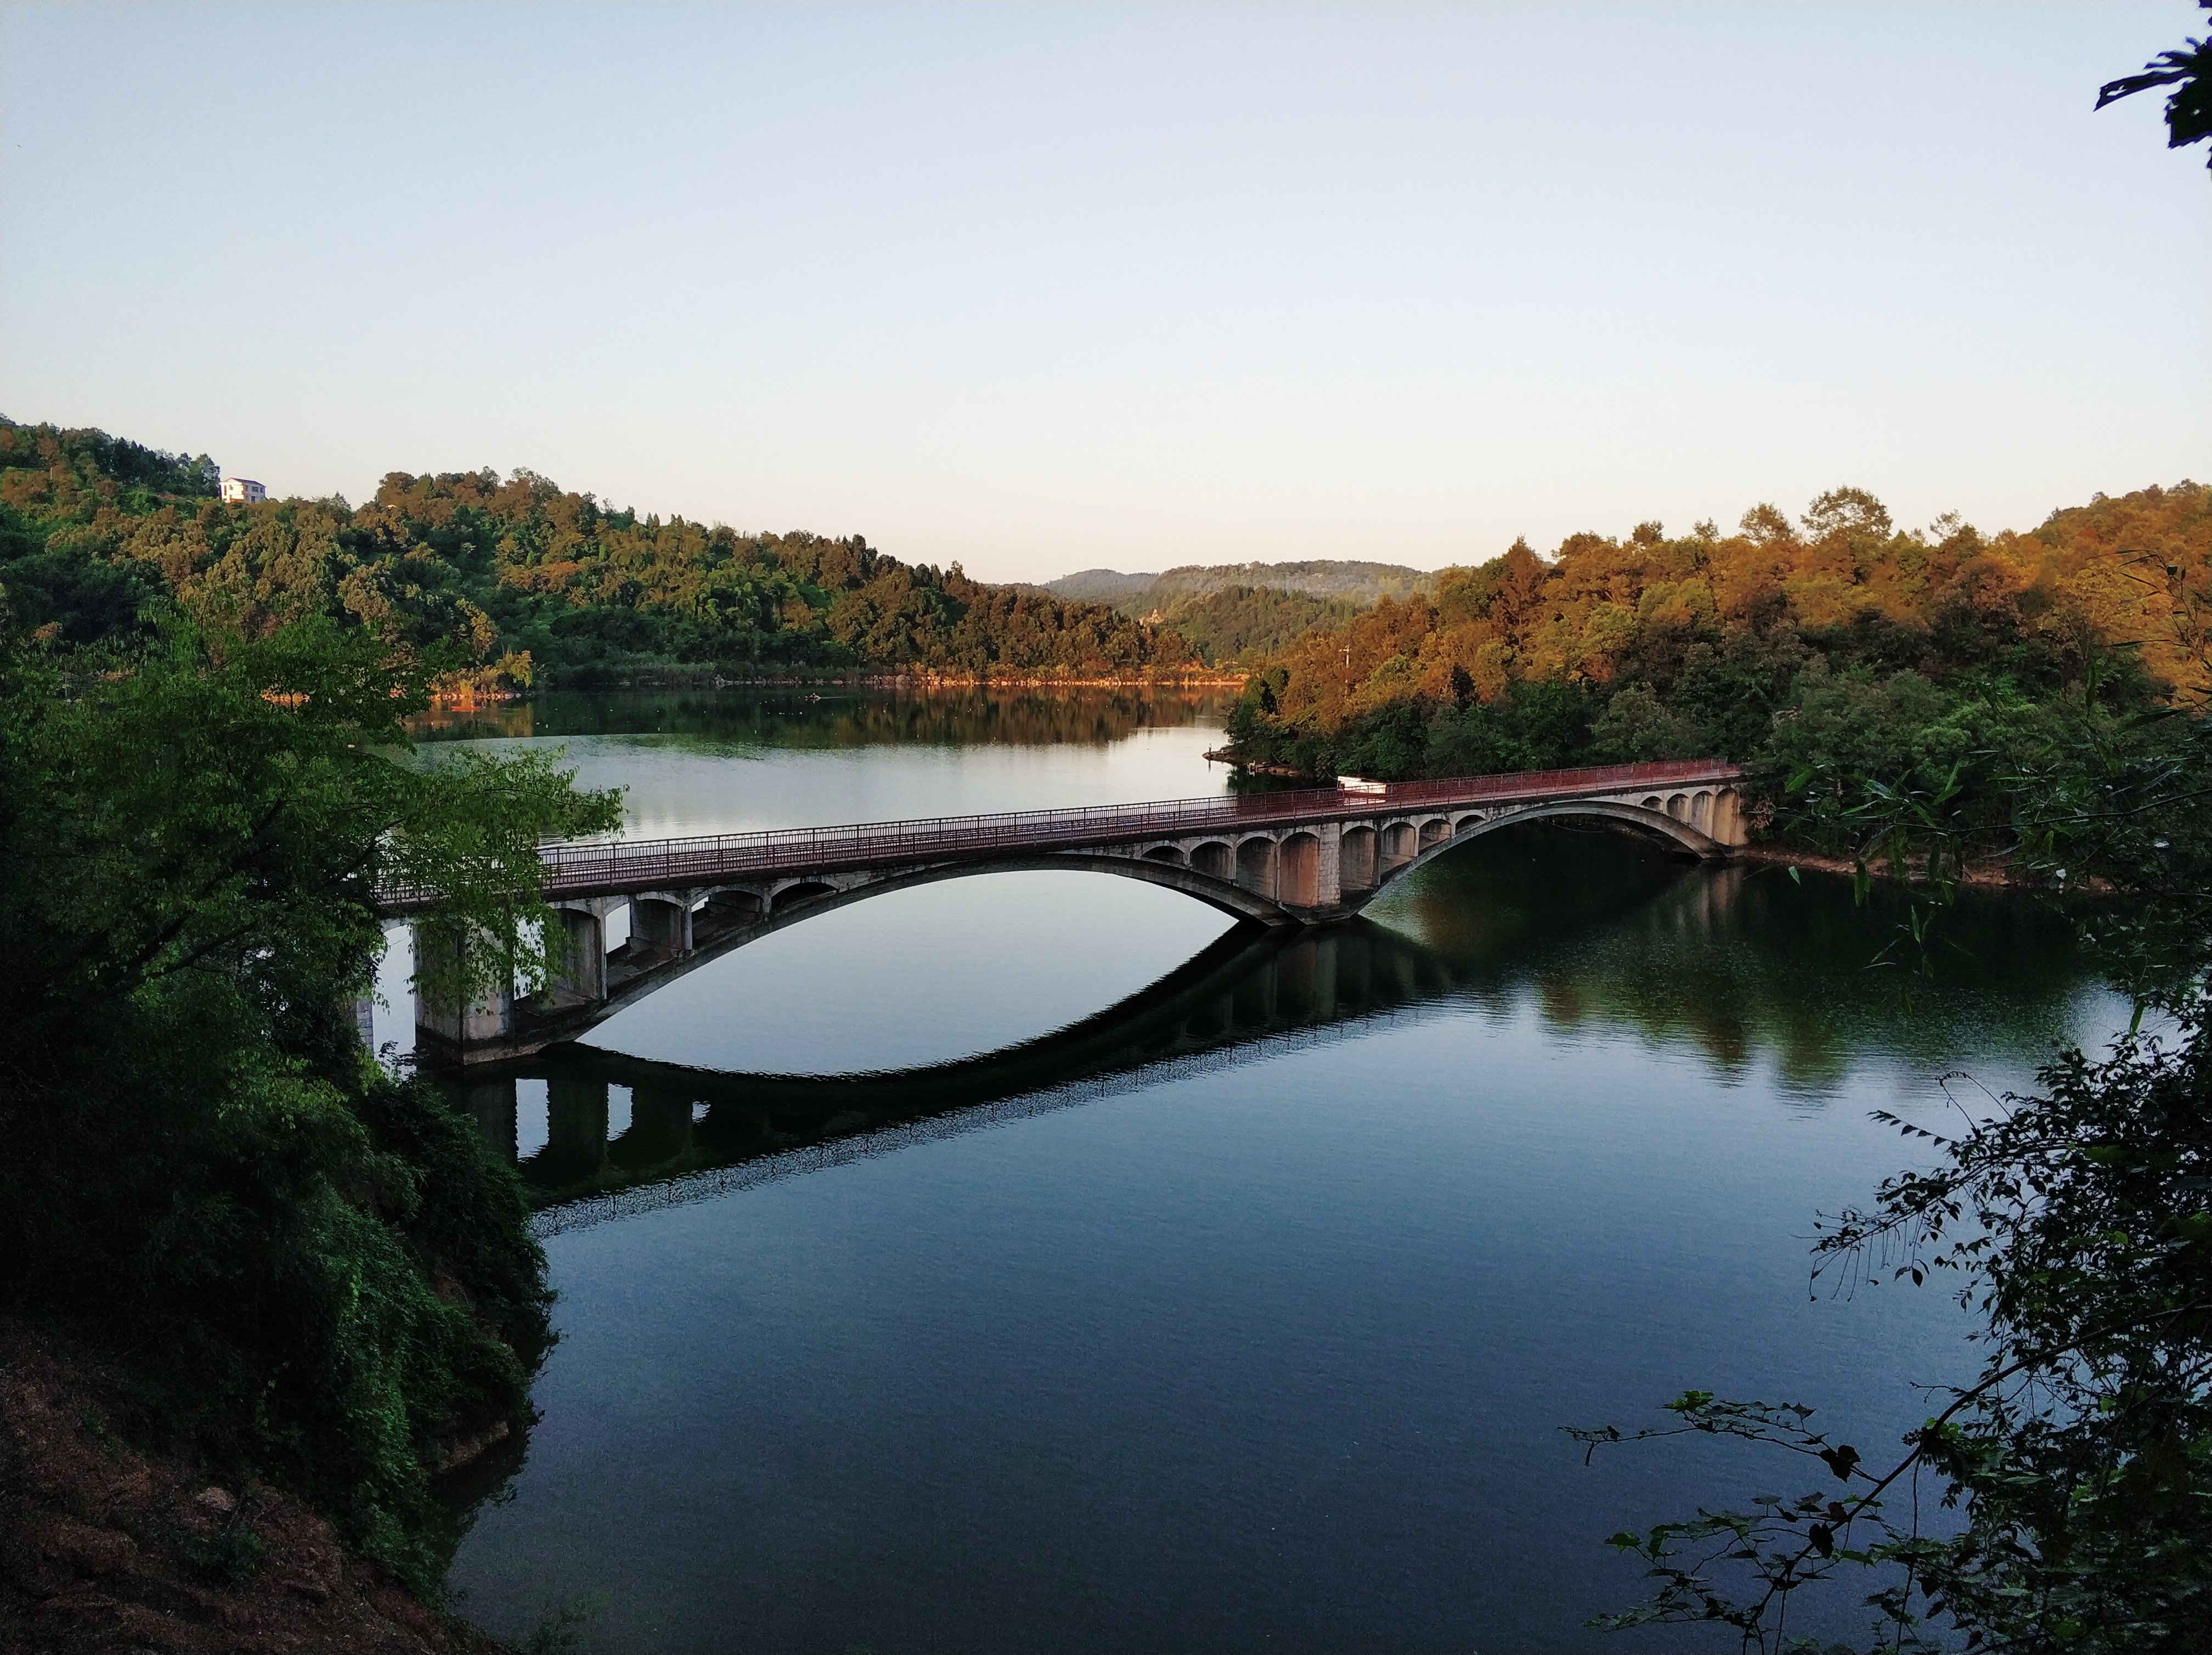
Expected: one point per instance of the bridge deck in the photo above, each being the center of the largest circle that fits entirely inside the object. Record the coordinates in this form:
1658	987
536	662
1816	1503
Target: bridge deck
594	867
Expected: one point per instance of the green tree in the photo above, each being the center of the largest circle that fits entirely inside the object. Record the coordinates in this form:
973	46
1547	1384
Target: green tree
1636	725
316	1271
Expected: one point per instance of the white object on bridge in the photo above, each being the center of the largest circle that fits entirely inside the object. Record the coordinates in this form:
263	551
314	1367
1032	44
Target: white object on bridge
1360	784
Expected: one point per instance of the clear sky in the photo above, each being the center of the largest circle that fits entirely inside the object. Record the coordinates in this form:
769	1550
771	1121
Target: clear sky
1038	288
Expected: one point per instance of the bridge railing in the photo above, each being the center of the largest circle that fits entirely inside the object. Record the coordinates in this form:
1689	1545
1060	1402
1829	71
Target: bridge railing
612	865
1589	778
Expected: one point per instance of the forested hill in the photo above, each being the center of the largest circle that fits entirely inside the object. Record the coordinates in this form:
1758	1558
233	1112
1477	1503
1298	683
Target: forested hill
1835	640
1244	612
1322	577
516	578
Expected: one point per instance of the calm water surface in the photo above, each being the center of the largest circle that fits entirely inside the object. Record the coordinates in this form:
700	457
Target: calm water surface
1031	1262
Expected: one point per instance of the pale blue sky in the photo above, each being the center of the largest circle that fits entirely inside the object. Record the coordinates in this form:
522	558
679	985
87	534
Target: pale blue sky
1042	288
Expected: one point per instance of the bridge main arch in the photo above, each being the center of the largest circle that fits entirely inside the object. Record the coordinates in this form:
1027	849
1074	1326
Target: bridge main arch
822	897
1267	878
1658	822
795	901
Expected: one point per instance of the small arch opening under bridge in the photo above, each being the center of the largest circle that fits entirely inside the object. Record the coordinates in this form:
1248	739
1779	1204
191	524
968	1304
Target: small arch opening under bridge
1658	823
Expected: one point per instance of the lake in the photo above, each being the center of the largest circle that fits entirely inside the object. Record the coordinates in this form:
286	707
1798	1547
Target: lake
1037	1262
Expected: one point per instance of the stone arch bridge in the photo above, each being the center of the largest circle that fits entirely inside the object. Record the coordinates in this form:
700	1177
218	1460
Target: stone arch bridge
1302	858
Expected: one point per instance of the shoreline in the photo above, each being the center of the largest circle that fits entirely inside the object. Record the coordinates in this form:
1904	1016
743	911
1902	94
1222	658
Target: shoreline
664	678
1983	876
1257	767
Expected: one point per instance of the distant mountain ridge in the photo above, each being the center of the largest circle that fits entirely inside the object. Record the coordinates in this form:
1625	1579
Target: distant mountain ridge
1321	577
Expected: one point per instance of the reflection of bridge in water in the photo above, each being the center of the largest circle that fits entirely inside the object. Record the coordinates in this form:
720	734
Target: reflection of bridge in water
1284	859
694	1132
1581	930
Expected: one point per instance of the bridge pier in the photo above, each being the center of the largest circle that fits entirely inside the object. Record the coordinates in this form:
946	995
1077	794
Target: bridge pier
580	971
1255	865
443	1022
1356	864
1328	877
1727	826
661	920
1395	847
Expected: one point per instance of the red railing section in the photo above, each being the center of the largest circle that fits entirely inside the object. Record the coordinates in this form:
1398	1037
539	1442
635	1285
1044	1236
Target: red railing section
580	867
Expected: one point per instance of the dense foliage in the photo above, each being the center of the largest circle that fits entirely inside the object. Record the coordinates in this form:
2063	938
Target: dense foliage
521	579
1247	623
1357	580
1779	645
314	1271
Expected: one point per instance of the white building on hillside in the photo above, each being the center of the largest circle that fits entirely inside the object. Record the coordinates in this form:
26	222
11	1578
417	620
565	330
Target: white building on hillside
244	489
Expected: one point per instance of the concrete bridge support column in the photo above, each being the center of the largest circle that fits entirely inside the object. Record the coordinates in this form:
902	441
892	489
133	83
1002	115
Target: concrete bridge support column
489	1014
1356	858
1399	844
1298	871
1255	865
1727	827
581	973
662	923
1328	877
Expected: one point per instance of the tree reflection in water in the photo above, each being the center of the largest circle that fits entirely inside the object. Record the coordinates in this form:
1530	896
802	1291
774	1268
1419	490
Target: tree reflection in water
1739	959
836	716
